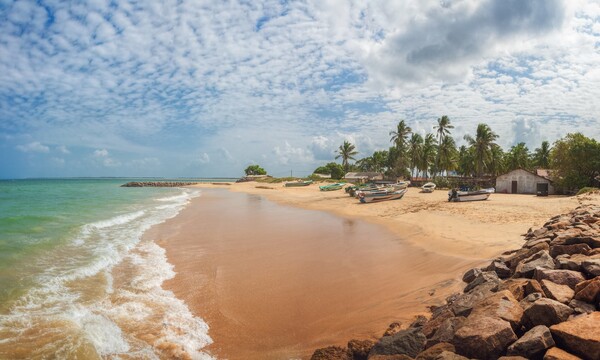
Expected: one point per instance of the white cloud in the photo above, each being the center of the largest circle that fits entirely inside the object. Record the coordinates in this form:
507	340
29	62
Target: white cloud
101	153
289	154
240	78
35	147
204	158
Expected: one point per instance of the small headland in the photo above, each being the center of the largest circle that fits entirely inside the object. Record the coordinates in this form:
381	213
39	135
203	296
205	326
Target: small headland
158	184
541	301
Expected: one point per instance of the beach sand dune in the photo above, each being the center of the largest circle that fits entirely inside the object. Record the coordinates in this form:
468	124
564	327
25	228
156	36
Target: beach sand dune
276	282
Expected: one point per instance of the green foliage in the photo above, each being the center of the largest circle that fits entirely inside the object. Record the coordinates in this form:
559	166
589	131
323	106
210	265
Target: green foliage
376	162
255	170
400	161
346	151
323	170
482	145
334	169
541	156
518	157
576	161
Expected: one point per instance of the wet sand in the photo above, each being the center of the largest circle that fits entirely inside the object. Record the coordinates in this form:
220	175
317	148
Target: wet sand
276	282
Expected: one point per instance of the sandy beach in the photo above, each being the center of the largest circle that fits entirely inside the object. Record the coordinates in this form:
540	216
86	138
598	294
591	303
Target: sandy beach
254	265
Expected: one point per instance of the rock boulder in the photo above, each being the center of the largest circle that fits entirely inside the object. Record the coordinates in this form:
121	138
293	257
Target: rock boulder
580	336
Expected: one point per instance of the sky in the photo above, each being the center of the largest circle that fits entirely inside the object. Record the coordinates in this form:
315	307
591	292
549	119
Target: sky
206	88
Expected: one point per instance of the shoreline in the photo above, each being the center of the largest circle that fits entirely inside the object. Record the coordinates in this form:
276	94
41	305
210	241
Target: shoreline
457	233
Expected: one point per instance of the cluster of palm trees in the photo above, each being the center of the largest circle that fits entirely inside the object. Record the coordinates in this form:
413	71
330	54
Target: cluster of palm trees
436	154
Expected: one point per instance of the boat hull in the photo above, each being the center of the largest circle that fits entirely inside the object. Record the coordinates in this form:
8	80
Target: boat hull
463	196
298	183
381	196
332	187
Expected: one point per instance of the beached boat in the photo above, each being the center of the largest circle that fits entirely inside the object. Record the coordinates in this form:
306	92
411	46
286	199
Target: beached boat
461	196
331	187
428	187
382	195
298	183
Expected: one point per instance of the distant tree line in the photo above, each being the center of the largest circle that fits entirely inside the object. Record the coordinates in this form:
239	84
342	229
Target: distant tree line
574	159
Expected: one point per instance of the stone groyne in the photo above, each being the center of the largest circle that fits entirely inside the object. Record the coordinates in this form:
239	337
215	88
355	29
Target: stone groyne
541	301
157	184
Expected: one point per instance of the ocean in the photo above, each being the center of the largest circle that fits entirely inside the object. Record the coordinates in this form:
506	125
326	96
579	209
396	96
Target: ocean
78	281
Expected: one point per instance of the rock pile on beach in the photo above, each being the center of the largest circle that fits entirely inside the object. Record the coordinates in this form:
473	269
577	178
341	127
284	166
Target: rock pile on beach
157	184
541	301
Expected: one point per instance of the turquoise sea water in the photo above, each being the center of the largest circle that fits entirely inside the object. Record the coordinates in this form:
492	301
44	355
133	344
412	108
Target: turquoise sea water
78	281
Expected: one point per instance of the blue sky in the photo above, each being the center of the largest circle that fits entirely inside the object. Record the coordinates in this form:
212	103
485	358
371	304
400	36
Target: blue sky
205	88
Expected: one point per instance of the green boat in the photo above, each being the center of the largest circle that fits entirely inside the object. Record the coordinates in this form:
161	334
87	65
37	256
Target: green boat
298	183
331	187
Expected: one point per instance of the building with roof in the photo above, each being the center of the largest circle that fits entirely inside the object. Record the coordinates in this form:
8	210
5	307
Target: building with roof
362	177
521	181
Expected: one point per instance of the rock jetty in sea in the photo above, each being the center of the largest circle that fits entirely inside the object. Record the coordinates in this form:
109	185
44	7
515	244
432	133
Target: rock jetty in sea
157	184
541	301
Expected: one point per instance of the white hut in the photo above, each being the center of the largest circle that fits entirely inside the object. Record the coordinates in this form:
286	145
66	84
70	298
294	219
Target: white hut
521	181
361	177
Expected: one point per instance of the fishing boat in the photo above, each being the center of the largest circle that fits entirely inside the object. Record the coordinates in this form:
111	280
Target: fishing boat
383	195
331	187
298	183
474	195
428	187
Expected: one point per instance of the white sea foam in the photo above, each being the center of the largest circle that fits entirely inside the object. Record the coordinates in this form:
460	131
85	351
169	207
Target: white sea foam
102	332
95	250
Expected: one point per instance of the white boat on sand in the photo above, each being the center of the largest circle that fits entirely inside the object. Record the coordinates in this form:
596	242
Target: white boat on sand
428	187
461	196
383	195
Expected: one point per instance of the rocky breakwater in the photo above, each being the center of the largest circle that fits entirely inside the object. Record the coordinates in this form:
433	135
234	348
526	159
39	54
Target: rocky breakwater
541	301
157	184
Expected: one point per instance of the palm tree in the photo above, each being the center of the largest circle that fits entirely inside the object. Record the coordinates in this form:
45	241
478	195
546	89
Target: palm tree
400	135
399	138
466	161
482	144
541	156
496	164
379	160
415	148
447	155
365	164
427	154
346	151
443	130
518	157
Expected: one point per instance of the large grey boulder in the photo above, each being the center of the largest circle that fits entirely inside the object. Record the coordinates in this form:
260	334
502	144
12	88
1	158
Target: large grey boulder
462	305
546	312
406	342
591	266
541	259
533	343
445	333
513	260
483	337
581	307
562	277
572	249
483	278
580	336
500	268
502	305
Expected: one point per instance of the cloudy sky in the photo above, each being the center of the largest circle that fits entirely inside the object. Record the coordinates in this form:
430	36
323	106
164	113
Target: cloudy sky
205	88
